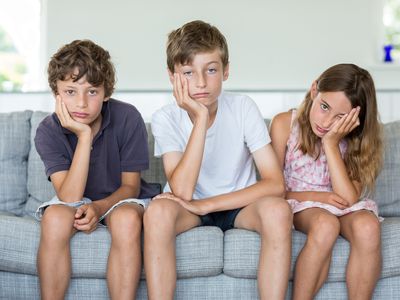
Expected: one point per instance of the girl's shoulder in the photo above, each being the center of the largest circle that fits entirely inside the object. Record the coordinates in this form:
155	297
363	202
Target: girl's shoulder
280	126
283	121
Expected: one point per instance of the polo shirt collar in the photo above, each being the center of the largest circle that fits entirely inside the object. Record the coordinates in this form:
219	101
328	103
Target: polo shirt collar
105	112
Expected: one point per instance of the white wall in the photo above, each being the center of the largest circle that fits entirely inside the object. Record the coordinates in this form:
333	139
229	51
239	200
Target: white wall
273	44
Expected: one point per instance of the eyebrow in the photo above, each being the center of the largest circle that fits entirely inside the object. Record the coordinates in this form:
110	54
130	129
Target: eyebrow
209	63
326	103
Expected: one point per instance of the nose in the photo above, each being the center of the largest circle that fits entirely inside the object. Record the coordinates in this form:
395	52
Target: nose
82	101
201	81
327	122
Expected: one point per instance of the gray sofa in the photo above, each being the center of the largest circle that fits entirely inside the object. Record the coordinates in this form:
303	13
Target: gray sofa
210	264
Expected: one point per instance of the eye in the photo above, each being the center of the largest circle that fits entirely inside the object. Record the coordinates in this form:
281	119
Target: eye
92	92
324	107
69	92
212	70
188	73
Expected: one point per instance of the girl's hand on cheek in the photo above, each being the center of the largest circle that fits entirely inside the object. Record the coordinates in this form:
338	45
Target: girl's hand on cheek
342	127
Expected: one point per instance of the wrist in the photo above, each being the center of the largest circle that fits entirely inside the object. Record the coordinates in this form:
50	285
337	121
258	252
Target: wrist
85	135
208	206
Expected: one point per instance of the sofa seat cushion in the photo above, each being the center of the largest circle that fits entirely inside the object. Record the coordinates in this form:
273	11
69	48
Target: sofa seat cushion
14	147
199	251
241	251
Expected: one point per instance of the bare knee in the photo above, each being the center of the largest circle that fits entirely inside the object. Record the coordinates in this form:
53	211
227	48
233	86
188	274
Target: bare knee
125	222
366	232
160	215
324	232
275	216
57	222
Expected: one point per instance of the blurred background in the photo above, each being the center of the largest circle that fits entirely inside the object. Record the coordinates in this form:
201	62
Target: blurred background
277	48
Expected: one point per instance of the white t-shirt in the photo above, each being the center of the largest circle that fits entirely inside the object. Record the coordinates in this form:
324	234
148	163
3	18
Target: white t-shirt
238	130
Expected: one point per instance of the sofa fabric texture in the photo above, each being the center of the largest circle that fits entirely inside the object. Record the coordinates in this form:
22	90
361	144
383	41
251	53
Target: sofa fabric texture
210	264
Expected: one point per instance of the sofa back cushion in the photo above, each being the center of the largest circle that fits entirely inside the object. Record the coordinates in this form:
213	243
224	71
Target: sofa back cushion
14	148
39	188
387	193
155	173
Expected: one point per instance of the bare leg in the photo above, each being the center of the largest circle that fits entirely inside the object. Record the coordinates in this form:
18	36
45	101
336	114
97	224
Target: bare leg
312	266
125	259
54	258
272	219
163	220
362	230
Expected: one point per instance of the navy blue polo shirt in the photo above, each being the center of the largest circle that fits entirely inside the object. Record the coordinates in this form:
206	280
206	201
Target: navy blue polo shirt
119	146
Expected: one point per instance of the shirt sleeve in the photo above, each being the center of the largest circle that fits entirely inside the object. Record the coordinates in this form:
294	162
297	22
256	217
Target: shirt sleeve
52	147
134	151
166	134
255	131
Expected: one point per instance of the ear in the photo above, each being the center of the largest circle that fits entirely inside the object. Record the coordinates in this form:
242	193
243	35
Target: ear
314	89
226	72
106	99
171	76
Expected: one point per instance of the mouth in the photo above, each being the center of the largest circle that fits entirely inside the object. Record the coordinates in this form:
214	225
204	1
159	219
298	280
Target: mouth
80	115
321	130
200	95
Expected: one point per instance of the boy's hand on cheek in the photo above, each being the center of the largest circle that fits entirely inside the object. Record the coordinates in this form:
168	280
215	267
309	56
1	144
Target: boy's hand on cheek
68	122
181	94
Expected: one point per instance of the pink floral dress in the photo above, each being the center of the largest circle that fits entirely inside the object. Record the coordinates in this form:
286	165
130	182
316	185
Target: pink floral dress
305	173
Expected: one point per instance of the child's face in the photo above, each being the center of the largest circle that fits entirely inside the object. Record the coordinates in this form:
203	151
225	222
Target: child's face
205	75
83	101
326	109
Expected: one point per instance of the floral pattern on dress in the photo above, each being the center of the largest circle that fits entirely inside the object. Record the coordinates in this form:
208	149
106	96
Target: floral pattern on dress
303	172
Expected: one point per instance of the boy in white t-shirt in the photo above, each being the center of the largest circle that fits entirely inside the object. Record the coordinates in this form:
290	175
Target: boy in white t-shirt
208	140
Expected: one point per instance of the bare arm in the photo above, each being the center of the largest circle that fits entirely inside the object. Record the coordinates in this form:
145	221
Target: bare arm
271	184
342	185
182	169
70	185
279	132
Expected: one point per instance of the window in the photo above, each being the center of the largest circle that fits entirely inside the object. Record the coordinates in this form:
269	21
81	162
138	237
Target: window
391	21
20	45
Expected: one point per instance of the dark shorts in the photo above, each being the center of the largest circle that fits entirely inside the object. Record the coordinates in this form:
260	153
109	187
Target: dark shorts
222	219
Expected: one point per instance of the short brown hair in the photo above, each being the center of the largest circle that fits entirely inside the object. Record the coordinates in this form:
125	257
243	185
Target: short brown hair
193	38
89	58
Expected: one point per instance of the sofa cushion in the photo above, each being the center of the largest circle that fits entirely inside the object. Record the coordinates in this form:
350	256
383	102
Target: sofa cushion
14	149
155	173
39	188
241	252
198	251
387	193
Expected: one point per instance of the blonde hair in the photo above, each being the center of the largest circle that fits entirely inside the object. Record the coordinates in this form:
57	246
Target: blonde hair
363	158
193	38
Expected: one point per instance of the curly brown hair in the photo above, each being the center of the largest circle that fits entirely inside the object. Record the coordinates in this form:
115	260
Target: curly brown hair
363	158
193	38
89	59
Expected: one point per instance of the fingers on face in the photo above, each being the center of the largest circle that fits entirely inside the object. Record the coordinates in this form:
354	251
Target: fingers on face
352	119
